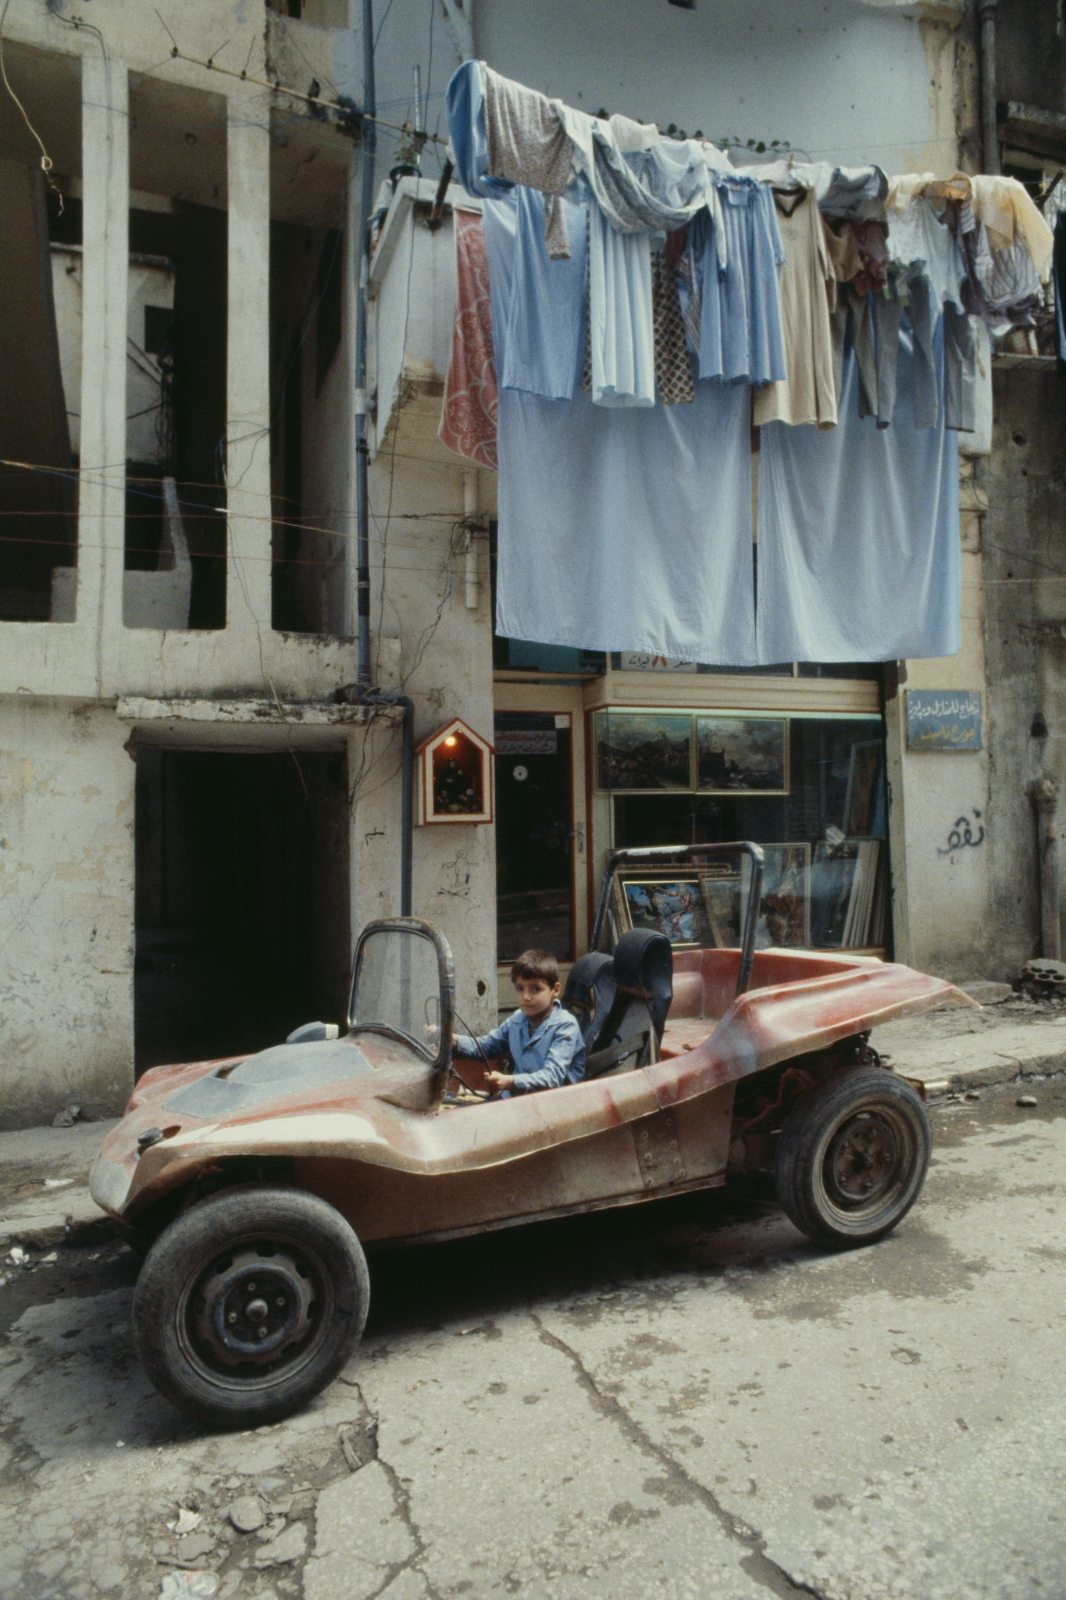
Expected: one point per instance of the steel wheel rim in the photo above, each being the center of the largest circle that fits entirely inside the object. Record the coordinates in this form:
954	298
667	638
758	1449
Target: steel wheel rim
227	1300
868	1163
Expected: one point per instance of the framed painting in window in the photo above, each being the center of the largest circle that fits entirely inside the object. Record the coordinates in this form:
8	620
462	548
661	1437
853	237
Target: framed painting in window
742	755
646	752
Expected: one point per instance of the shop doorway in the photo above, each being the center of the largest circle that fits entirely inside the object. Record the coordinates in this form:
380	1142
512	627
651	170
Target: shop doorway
540	833
242	900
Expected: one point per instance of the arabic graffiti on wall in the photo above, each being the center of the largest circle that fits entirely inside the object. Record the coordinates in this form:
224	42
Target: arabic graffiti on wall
964	834
943	719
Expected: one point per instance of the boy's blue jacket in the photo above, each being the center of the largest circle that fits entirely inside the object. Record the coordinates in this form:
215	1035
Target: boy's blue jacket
553	1054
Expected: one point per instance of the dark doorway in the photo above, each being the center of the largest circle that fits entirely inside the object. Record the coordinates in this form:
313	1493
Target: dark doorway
243	920
534	837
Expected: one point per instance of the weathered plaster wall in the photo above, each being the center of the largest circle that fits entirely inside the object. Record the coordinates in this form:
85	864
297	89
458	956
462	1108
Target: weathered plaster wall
439	651
66	910
1024	568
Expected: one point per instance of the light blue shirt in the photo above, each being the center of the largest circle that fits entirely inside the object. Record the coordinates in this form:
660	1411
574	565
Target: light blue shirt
546	1058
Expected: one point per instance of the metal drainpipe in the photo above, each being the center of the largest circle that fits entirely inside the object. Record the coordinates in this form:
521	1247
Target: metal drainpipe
1044	793
986	12
407	820
362	448
470	511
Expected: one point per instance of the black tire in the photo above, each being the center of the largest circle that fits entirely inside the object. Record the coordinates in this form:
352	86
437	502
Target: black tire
852	1157
256	1257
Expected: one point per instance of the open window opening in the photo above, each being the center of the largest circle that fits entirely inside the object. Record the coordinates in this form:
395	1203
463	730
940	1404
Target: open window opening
310	379
38	439
175	561
242	899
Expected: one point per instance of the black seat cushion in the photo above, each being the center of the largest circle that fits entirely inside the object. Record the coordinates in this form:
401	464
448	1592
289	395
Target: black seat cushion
589	993
621	1001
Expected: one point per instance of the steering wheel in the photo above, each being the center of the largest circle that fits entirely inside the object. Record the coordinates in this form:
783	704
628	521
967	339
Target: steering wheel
480	1094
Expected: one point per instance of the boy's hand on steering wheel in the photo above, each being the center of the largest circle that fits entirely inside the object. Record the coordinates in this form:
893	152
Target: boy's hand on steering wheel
498	1081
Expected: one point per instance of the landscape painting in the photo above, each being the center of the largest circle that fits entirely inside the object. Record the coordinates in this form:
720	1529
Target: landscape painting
641	751
742	755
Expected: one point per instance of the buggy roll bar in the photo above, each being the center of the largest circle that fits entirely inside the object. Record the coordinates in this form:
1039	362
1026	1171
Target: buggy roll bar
686	852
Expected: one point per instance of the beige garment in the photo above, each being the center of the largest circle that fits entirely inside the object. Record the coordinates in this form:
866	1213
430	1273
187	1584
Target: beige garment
844	257
528	144
905	188
808	394
1004	206
525	135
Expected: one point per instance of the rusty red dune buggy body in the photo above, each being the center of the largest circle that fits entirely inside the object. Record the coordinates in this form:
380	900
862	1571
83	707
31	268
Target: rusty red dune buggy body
252	1181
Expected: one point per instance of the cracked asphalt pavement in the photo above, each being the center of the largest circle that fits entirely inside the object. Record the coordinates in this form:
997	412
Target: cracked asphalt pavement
674	1400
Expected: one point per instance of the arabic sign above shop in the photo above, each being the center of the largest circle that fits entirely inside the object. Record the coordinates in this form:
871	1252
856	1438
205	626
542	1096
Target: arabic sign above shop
943	719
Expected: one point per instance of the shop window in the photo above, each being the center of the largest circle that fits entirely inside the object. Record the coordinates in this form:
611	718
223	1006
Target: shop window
809	789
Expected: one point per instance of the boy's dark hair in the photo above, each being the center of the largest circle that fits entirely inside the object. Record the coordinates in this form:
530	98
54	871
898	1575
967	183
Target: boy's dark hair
536	964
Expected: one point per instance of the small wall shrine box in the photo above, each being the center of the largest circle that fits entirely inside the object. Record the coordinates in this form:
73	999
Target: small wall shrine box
455	776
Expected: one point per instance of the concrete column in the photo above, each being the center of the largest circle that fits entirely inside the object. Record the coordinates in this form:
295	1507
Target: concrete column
105	223
248	369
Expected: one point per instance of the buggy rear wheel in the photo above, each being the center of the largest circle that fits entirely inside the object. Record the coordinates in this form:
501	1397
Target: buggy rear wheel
852	1157
249	1303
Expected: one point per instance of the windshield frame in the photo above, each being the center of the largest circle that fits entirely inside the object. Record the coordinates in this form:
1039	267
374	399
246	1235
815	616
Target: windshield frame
412	927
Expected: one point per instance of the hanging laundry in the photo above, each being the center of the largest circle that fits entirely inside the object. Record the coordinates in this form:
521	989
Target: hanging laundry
853	193
503	133
528	144
740	314
808	394
842	248
1001	286
673	369
870	241
1060	292
642	181
1007	210
916	236
628	529
621	529
905	187
960	370
468	415
621	326
464	101
859	534
543	346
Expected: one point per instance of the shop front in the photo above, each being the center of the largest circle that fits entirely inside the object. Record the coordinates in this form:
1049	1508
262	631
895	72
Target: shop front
594	755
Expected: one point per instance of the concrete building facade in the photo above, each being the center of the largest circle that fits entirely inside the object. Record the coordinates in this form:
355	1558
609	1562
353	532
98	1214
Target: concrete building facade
193	825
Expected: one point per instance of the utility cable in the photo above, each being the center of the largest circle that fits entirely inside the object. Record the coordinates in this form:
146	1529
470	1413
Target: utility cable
46	160
351	113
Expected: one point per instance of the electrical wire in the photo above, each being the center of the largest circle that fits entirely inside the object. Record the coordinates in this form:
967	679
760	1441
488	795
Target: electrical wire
46	160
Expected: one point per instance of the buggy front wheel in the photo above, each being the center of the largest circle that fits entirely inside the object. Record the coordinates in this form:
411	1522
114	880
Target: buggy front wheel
249	1303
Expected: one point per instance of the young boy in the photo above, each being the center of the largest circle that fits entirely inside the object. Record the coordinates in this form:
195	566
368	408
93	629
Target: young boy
543	1041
